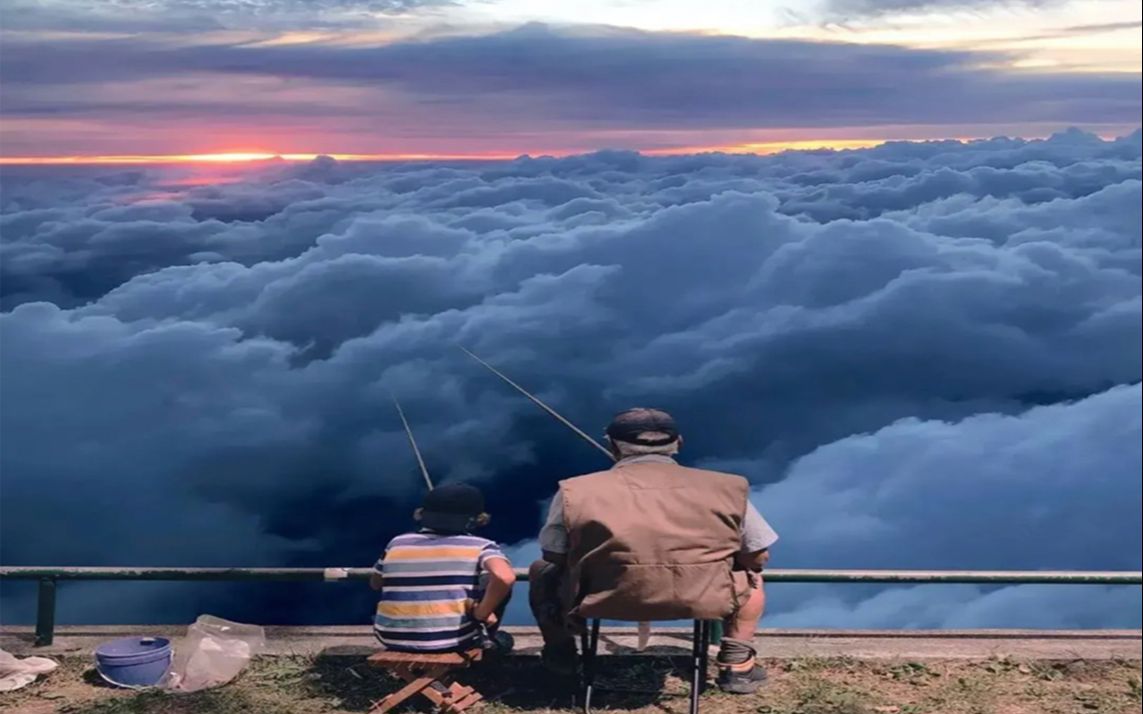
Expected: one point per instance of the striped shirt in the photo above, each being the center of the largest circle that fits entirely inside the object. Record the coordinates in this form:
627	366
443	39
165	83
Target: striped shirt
428	582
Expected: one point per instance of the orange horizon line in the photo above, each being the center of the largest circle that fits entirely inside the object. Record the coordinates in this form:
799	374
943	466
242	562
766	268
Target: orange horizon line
761	148
228	158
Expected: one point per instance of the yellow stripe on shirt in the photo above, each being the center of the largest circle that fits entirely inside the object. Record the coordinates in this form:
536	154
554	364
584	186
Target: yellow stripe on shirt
468	552
422	609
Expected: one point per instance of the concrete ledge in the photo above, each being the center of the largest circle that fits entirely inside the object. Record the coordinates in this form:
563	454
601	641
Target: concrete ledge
775	644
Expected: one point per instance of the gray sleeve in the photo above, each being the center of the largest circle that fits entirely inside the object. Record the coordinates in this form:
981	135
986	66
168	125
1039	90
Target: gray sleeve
554	535
756	532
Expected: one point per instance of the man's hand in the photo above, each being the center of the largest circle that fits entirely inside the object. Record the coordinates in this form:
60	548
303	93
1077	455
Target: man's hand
753	562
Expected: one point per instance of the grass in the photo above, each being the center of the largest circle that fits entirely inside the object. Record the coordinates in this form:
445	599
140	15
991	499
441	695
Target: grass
344	684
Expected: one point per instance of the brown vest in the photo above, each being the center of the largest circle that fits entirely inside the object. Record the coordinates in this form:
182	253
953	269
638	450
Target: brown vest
653	541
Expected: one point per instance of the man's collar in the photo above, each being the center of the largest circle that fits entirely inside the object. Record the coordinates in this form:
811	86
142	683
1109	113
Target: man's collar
644	459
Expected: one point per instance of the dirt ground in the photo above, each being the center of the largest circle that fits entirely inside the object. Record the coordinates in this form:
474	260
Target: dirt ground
293	685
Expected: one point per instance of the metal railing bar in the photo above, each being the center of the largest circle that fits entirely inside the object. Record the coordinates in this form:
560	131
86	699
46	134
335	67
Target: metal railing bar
784	575
47	577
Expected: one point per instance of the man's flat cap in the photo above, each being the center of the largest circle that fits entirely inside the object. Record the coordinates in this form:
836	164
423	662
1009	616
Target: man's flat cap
629	426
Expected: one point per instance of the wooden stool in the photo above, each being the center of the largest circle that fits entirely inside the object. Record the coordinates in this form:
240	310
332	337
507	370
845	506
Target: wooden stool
429	675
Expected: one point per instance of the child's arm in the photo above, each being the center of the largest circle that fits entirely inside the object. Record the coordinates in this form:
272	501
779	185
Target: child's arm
501	578
375	580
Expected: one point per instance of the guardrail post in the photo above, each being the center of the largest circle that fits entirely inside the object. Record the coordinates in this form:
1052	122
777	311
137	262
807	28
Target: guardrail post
716	632
46	612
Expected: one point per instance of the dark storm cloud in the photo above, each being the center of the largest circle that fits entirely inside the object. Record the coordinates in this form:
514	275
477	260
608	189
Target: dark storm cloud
595	78
219	358
269	7
97	17
857	9
180	16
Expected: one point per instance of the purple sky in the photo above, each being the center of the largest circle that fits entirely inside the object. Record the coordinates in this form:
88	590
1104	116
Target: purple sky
175	77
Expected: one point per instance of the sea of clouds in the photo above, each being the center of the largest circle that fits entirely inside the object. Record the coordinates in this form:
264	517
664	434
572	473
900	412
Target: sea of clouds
922	355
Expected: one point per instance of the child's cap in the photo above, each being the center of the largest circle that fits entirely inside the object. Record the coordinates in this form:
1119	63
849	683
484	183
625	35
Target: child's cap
459	499
452	506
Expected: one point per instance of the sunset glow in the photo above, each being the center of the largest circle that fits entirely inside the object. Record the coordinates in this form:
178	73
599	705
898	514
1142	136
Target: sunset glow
760	148
263	80
232	158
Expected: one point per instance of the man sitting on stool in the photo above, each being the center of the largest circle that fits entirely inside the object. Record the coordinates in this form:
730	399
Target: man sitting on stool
649	539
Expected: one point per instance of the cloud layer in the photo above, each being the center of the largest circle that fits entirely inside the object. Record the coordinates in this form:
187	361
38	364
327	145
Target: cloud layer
1056	487
199	373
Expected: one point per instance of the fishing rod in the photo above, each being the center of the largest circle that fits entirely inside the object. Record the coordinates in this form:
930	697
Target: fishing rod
545	407
413	443
644	635
425	473
341	573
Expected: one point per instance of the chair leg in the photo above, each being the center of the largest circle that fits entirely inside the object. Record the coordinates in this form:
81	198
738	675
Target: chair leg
585	655
698	663
590	649
704	663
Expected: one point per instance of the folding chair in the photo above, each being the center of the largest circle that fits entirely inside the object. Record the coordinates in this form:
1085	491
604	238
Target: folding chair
429	675
700	656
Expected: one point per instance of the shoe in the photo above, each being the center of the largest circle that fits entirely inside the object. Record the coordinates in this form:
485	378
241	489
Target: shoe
499	644
741	682
561	659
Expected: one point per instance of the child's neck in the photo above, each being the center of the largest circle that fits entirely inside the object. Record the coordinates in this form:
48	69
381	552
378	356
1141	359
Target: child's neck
436	531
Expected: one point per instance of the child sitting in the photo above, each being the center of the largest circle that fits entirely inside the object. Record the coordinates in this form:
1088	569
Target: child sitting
443	589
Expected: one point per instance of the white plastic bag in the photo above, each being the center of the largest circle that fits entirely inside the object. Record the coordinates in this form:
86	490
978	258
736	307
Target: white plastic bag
644	636
213	653
17	673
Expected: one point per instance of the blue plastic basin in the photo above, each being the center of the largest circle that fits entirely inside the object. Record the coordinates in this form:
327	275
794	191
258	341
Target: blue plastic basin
134	661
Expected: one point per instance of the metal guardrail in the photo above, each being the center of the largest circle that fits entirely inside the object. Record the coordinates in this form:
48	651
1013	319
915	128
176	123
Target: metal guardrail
49	576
